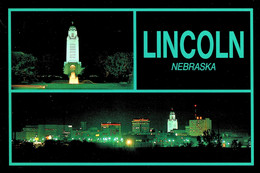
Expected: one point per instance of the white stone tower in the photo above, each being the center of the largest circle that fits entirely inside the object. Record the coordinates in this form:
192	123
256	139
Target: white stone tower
72	54
72	66
172	122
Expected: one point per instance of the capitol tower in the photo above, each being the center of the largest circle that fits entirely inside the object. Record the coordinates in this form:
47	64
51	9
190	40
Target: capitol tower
72	66
172	122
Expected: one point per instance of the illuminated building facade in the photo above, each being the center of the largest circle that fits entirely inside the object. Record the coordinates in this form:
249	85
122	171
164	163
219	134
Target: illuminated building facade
28	133
54	131
72	45
72	66
172	122
44	132
111	130
140	126
83	125
198	126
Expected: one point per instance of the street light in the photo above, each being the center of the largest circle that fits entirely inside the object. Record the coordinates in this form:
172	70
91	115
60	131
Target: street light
129	142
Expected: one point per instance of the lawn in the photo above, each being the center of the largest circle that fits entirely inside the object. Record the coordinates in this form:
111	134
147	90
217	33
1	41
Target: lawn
59	85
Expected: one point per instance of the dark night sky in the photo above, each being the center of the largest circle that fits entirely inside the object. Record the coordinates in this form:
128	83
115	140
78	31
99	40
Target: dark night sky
230	111
41	33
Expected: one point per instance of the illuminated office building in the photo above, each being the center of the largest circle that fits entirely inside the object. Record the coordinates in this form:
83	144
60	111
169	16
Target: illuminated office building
140	126
198	126
44	132
83	125
110	129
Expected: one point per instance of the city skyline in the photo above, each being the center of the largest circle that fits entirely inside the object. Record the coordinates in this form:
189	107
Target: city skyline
122	108
62	123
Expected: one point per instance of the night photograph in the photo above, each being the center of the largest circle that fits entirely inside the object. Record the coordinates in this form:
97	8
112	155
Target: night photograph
130	127
148	86
72	50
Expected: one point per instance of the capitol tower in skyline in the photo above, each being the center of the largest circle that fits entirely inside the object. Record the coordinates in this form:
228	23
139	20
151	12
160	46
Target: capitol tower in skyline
172	122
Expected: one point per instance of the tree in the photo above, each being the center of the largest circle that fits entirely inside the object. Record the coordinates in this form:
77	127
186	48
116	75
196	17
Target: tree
236	144
200	143
188	144
218	138
210	137
23	67
119	66
249	143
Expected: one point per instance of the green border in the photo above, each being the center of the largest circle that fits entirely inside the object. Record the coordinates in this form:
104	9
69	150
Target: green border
134	90
130	164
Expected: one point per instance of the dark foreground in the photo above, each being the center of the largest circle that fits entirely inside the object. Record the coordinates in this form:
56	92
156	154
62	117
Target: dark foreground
90	152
